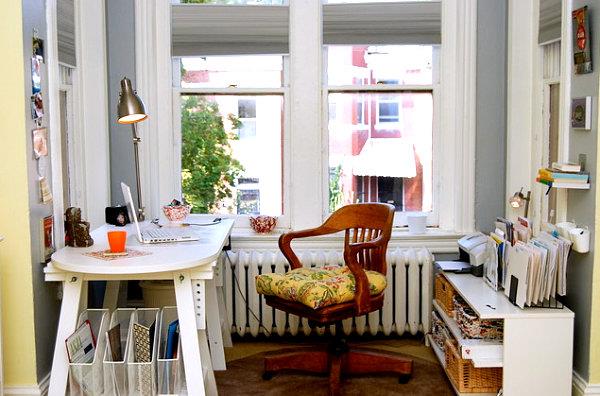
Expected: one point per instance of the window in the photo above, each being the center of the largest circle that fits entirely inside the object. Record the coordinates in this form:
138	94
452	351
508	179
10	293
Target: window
247	117
381	132
231	132
388	109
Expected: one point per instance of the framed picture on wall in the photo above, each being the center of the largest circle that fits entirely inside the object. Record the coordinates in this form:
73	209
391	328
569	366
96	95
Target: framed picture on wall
582	55
581	113
47	232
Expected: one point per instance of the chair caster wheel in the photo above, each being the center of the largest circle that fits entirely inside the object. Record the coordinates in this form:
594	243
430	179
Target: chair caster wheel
267	375
404	378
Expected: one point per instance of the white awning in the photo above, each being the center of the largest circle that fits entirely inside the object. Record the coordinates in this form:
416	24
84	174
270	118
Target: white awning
388	157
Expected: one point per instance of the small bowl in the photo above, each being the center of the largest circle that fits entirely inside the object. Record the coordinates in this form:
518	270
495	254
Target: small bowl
263	224
176	214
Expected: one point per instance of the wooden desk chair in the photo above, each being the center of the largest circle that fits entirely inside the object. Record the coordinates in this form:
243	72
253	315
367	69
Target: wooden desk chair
325	296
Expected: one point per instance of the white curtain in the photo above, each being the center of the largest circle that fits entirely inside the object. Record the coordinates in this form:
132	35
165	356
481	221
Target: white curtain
550	21
199	30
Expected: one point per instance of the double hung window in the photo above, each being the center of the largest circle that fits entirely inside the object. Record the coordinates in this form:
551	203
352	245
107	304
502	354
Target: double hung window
381	125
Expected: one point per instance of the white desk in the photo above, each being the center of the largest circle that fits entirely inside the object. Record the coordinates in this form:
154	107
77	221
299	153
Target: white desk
189	264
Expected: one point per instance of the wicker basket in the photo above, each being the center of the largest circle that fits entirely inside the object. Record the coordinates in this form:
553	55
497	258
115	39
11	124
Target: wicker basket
466	377
439	331
444	293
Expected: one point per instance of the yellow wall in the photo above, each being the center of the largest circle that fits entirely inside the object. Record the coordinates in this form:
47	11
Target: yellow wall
15	252
595	314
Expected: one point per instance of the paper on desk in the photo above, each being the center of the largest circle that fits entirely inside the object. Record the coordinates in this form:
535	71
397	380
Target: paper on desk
516	277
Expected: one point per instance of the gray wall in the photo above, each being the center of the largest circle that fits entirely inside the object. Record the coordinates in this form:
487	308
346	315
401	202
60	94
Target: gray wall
46	303
581	203
490	150
120	45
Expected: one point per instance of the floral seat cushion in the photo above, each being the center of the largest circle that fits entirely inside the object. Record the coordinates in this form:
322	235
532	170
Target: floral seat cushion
318	287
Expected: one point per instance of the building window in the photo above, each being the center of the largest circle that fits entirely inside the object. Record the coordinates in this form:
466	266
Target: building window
232	134
247	117
388	109
388	156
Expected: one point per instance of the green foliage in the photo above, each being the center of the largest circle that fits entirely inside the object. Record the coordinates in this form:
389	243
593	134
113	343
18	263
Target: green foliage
208	169
336	195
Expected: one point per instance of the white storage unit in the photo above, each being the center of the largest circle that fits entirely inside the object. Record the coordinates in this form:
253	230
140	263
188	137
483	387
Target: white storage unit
537	349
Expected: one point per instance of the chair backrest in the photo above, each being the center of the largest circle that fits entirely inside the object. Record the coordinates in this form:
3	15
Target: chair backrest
365	222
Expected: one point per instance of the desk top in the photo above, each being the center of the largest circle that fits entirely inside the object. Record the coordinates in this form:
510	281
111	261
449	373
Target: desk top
164	257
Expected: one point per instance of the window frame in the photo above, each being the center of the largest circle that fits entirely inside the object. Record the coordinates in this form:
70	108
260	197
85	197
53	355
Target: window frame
400	220
454	108
242	220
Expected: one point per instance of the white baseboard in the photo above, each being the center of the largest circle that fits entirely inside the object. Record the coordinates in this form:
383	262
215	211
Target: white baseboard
38	390
581	387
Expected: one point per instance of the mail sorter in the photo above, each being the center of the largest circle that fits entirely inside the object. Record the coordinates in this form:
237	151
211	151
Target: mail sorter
532	271
161	373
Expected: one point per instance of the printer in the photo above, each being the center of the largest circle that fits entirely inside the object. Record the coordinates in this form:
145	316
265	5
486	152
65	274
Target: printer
473	250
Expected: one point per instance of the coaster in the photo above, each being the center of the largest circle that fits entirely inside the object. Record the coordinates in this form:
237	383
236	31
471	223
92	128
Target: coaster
108	256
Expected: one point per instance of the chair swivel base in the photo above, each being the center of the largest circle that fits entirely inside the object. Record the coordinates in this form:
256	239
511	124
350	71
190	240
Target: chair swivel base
336	360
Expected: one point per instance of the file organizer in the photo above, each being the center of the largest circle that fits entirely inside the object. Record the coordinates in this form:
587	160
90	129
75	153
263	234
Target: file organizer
170	371
115	373
141	377
87	379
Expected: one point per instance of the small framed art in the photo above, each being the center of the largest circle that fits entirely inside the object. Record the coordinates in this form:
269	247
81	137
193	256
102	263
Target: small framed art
581	113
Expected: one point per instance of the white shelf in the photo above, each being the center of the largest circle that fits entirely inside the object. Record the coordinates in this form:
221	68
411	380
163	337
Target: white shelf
441	355
442	358
483	353
490	304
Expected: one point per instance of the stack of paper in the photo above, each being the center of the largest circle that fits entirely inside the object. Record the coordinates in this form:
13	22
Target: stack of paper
536	271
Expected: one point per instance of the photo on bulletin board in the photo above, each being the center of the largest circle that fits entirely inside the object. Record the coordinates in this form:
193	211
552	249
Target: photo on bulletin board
582	55
36	74
38	47
581	113
47	232
45	192
37	106
40	142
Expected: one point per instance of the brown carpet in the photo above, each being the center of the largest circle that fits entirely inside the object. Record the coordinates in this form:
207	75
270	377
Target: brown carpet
243	377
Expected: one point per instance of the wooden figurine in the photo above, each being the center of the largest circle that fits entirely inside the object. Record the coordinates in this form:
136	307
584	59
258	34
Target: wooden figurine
77	232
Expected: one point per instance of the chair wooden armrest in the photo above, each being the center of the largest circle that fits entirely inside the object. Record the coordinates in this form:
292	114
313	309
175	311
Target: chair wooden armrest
286	239
362	294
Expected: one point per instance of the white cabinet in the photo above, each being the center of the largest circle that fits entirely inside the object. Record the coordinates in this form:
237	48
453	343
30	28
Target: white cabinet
537	349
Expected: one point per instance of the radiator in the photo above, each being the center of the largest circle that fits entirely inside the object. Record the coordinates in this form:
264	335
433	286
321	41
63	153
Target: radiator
406	306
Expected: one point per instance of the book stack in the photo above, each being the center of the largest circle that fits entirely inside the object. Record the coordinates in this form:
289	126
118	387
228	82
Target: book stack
564	175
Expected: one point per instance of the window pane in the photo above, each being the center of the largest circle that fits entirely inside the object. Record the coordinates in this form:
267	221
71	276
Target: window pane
233	2
243	71
230	164
371	161
383	64
368	1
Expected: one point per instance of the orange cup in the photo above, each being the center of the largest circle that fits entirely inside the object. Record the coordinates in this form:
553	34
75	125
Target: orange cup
116	241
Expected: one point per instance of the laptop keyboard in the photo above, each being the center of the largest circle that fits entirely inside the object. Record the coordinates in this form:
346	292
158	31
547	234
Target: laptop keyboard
162	235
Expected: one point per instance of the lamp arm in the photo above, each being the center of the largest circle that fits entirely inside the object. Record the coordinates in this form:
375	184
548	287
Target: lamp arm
136	140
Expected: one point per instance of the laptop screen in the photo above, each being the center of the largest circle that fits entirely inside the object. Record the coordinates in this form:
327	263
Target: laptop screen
130	208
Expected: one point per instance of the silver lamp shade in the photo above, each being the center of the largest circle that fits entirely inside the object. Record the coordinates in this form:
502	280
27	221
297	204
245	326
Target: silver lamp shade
130	108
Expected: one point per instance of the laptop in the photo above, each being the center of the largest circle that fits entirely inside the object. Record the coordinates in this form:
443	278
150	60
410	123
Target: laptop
155	235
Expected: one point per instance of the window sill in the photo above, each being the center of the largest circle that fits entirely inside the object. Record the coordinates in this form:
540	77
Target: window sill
436	240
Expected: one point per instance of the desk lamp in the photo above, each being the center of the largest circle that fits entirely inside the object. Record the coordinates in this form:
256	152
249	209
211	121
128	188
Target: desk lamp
518	200
131	110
